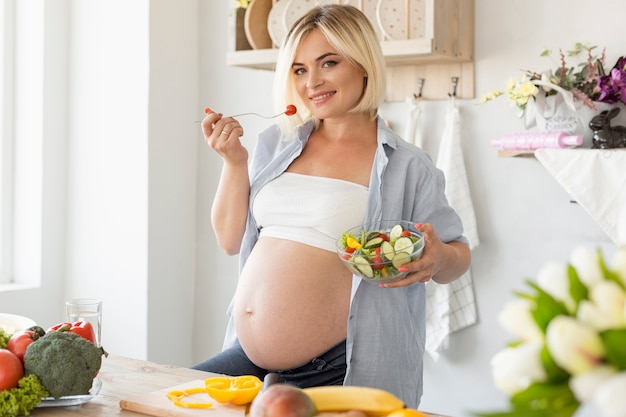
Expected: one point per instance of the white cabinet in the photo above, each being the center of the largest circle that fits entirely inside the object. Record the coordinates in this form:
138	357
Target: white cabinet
431	40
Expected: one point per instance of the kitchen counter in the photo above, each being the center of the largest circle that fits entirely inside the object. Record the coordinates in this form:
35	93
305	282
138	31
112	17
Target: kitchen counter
124	378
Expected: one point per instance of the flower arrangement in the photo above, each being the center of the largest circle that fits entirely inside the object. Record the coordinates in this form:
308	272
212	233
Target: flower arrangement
586	82
571	340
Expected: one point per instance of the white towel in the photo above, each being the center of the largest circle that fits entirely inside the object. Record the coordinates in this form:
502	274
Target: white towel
596	180
452	307
413	124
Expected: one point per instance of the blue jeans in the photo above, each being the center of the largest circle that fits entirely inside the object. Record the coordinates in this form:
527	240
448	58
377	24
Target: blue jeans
329	368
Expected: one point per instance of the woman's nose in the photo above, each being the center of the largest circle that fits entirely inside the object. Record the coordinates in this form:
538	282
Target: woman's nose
314	79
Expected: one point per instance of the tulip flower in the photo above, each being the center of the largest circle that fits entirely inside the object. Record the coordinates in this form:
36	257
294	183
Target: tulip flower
574	346
584	385
609	397
553	279
516	318
515	369
605	308
586	262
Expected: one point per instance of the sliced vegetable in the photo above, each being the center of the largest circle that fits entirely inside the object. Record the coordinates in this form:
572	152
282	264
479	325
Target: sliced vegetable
237	390
388	251
177	397
373	243
403	244
395	232
400	259
364	266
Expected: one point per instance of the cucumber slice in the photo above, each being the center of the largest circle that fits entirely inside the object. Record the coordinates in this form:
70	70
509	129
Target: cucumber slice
373	243
395	232
400	259
371	235
387	250
404	244
364	266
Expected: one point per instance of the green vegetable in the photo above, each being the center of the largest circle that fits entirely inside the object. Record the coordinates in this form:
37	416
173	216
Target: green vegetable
4	339
21	400
65	363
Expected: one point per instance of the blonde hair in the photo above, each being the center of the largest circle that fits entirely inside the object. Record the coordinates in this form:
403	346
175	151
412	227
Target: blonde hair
350	32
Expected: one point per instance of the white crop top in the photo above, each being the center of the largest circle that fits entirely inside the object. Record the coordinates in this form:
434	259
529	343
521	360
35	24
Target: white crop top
309	209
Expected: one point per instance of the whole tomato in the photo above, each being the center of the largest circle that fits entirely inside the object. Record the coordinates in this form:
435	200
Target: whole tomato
19	342
11	370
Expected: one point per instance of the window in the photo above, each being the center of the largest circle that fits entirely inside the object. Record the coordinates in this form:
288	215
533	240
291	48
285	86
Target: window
7	59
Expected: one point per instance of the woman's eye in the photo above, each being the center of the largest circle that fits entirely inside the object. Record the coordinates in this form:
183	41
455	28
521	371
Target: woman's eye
298	71
328	64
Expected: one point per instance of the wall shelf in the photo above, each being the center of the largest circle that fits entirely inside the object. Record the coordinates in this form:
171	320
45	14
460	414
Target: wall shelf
445	50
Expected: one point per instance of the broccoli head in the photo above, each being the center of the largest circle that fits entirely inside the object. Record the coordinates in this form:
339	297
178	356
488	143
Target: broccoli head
65	363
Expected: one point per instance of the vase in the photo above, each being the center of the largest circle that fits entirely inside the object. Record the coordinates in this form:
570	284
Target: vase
557	113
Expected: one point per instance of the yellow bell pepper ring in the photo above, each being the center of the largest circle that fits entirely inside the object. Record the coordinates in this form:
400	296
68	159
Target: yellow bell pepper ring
177	397
237	390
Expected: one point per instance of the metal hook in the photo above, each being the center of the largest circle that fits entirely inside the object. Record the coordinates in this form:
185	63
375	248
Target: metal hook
420	88
455	84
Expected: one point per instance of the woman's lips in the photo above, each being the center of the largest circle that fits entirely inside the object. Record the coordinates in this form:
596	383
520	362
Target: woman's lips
322	97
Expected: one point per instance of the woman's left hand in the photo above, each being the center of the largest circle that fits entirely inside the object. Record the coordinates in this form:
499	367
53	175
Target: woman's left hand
436	258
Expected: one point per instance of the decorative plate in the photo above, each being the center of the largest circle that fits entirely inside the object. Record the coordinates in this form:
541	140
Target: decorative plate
392	18
369	9
255	24
417	11
72	399
276	22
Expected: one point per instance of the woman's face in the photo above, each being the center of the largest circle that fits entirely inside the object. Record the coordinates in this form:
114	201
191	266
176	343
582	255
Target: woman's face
326	82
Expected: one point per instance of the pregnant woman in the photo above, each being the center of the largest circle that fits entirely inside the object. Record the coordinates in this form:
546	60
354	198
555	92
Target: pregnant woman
297	310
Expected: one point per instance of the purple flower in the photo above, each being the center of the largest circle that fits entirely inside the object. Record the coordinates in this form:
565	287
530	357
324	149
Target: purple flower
612	87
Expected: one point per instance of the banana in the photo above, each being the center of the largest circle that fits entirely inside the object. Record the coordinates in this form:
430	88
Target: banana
372	401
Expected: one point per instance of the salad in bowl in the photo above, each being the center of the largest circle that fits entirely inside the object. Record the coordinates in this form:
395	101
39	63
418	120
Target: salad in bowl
376	252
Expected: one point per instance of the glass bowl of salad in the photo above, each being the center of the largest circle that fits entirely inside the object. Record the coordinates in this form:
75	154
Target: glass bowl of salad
375	252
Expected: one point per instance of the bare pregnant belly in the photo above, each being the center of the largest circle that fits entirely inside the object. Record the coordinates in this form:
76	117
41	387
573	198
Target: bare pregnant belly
292	303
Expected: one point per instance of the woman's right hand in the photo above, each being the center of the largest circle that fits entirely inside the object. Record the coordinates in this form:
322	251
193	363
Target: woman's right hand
222	134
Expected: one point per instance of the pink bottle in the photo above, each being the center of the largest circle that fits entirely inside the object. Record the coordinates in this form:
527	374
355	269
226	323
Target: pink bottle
537	140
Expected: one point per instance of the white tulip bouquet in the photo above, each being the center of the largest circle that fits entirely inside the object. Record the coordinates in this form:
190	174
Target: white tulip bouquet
571	340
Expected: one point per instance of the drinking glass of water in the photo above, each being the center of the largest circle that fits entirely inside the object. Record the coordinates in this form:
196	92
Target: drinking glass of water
89	310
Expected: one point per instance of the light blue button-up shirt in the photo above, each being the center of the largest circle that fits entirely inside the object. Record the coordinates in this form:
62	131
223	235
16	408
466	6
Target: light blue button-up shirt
386	328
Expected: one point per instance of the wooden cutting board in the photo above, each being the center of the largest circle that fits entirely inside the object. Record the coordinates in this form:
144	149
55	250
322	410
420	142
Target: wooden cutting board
157	404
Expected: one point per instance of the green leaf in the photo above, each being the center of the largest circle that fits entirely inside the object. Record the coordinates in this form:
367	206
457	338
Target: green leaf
555	373
577	289
546	308
614	342
540	400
